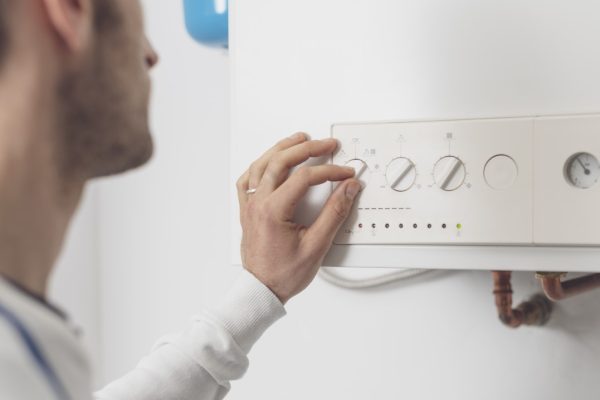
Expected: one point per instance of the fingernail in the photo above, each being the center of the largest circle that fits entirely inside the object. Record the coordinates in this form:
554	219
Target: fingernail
352	190
350	169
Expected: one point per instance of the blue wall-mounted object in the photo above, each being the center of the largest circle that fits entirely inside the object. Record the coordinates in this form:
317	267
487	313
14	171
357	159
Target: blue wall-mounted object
207	21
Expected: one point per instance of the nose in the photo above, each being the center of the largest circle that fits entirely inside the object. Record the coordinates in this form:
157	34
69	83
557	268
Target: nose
151	57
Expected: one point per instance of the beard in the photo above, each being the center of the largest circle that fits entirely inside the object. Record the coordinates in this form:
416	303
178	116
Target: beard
103	102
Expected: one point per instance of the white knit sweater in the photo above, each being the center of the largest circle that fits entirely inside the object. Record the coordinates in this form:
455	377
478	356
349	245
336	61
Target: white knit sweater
42	358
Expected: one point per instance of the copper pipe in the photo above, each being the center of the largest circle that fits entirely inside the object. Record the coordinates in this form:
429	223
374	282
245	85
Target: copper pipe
556	290
535	311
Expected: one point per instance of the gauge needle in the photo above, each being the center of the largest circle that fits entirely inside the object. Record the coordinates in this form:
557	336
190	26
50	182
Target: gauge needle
587	171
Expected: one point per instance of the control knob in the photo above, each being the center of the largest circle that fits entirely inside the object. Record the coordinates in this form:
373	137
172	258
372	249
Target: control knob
401	174
360	168
449	173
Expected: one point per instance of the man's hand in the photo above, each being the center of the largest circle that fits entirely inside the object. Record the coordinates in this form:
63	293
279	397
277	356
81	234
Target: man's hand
283	255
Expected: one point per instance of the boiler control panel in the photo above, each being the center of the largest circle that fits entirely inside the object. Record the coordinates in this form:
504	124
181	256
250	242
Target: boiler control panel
510	181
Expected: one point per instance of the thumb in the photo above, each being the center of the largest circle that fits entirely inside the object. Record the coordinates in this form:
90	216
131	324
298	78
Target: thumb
334	214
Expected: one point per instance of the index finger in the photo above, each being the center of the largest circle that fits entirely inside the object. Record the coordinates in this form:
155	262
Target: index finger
257	169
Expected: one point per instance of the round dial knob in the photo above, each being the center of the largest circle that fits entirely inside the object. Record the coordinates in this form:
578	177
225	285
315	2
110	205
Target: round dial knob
449	173
401	174
360	168
501	172
582	170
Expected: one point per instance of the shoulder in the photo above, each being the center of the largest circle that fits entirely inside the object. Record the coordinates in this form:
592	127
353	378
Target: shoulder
19	376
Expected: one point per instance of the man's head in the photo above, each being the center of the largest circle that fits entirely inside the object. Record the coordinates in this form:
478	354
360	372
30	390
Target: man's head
98	61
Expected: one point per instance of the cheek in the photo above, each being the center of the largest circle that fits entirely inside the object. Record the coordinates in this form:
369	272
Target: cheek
133	9
136	17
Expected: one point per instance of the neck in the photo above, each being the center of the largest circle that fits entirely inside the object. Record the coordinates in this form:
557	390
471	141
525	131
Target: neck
37	200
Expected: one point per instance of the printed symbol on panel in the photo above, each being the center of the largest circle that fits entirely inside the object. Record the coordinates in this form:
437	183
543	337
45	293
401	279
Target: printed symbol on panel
369	152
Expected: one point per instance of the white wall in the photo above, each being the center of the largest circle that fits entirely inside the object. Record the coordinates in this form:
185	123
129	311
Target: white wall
74	283
163	229
164	255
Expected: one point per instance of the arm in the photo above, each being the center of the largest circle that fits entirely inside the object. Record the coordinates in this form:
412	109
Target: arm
200	362
280	258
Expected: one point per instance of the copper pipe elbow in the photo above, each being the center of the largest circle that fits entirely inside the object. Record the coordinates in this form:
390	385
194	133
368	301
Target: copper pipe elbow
535	311
556	290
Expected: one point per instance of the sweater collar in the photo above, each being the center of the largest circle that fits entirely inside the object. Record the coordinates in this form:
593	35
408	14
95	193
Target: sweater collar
35	297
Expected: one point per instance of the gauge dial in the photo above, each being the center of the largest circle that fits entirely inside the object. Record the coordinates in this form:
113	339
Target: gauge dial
582	170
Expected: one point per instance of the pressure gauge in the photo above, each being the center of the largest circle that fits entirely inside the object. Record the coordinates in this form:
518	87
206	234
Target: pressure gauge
582	170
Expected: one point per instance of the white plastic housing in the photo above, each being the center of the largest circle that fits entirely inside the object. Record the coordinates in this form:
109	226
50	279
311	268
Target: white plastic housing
304	65
477	182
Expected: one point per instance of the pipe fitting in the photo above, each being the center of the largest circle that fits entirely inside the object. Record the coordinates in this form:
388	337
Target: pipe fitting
557	290
536	311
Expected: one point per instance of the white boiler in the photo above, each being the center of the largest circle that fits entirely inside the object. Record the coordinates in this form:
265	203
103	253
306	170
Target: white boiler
472	124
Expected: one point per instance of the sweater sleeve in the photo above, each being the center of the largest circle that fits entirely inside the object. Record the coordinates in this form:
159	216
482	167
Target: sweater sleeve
200	362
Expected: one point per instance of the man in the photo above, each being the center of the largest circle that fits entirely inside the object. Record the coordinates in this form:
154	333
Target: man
73	106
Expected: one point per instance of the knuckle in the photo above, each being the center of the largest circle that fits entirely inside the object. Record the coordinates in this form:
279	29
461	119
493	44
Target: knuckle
309	147
304	173
340	210
294	138
300	134
277	163
282	144
288	141
241	182
253	167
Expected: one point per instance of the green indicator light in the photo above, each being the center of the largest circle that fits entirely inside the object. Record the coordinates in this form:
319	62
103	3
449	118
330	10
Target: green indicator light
458	226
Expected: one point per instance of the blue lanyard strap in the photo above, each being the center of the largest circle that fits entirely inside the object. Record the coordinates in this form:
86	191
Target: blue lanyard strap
36	354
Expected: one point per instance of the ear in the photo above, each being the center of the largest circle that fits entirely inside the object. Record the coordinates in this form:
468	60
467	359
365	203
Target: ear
71	20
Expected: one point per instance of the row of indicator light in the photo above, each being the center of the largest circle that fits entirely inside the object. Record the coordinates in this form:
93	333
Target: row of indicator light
415	226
